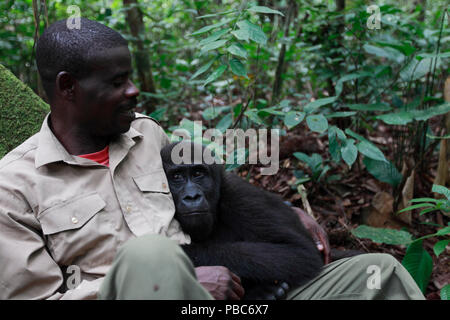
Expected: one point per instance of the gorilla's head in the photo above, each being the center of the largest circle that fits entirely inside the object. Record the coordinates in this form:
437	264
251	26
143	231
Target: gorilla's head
195	186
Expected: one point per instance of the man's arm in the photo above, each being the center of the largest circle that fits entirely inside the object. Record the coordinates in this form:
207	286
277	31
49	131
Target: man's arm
27	269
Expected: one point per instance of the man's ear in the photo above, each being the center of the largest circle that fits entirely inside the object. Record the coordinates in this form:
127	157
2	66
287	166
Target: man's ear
65	85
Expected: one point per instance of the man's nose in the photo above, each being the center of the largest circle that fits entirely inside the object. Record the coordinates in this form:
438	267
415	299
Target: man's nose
132	90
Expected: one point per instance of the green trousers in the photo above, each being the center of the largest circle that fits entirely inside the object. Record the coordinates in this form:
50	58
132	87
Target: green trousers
154	267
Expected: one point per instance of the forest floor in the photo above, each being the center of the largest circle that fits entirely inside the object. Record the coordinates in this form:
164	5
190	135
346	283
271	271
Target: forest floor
343	204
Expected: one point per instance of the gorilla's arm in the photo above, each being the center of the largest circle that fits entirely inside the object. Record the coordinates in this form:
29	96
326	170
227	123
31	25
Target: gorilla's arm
259	262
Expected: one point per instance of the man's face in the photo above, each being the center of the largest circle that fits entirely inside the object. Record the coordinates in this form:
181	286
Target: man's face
105	99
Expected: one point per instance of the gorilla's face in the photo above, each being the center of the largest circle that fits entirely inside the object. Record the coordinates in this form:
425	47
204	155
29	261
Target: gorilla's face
194	192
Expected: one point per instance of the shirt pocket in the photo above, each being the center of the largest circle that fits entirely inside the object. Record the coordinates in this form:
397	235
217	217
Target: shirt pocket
70	227
155	182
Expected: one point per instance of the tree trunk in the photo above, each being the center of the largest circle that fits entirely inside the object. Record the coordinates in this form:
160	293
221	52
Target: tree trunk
278	81
135	21
21	110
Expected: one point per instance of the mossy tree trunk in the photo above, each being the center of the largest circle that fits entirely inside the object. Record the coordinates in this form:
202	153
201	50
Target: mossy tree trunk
21	111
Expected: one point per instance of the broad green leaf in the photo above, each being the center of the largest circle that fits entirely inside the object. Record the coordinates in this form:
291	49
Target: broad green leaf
241	34
238	68
313	162
434	55
419	264
404	48
225	123
415	206
348	77
261	9
440	246
383	171
386	52
215	36
445	292
428	113
370	151
312	106
203	69
216	14
382	235
441	190
210	27
272	110
417	69
253	116
340	114
443	231
333	145
238	50
215	75
317	123
248	30
213	112
349	152
293	118
213	45
370	107
398	118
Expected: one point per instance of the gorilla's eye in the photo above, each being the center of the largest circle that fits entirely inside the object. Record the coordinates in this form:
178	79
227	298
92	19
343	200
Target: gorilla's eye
198	173
177	176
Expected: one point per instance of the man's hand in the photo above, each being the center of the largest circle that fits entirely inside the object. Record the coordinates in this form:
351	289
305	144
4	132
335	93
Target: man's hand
221	283
317	232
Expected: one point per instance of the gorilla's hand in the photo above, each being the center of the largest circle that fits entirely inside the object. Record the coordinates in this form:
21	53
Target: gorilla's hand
317	232
221	283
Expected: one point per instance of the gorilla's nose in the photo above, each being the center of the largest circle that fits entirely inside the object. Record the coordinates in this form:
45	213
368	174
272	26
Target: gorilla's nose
192	200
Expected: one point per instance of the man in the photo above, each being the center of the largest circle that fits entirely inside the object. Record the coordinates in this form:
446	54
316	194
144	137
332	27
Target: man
85	209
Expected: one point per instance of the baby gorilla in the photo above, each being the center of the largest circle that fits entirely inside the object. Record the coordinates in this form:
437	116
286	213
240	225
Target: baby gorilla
234	224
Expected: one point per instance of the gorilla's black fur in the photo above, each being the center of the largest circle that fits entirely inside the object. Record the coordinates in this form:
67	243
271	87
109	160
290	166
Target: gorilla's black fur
237	225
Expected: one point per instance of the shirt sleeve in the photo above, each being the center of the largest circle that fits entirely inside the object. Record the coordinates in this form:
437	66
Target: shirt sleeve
27	269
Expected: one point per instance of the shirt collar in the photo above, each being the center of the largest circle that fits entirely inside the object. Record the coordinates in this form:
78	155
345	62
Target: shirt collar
50	150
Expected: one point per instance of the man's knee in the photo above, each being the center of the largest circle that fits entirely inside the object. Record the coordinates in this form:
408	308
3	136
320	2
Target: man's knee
149	249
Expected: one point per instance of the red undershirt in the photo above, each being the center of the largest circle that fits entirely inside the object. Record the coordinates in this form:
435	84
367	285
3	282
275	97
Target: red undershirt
101	156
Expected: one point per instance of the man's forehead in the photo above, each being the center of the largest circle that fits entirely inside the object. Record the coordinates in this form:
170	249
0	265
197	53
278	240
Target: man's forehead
110	59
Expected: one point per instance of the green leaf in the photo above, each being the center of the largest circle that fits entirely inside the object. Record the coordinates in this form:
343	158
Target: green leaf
420	205
253	116
213	45
443	231
398	118
349	152
419	264
439	247
210	27
340	114
213	112
248	30
389	53
215	75
333	145
293	118
348	77
238	50
238	68
441	190
382	235
317	123
445	292
314	161
216	14
384	171
202	69
370	151
312	106
224	123
215	36
416	69
370	107
261	9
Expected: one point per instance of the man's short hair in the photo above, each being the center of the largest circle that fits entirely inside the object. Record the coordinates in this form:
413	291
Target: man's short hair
63	49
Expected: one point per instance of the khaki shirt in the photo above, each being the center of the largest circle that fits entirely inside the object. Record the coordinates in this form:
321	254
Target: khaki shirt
60	214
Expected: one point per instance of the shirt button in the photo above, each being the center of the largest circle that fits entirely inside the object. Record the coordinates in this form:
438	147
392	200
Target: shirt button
164	186
74	220
128	208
